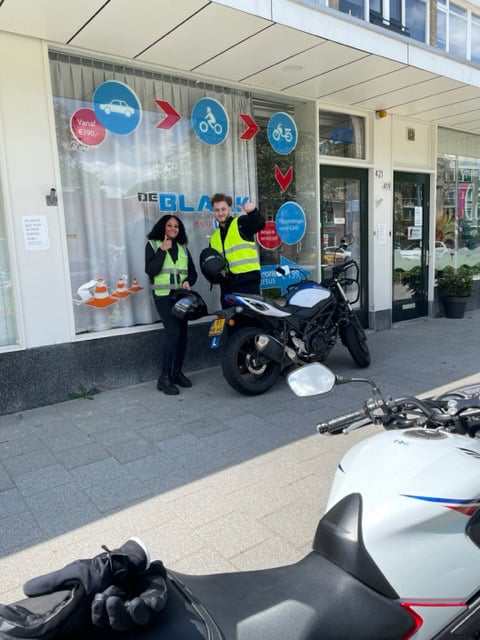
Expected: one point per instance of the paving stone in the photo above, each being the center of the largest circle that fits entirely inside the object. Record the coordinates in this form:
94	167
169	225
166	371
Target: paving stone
43	479
24	462
131	450
11	502
18	530
6	481
62	508
83	455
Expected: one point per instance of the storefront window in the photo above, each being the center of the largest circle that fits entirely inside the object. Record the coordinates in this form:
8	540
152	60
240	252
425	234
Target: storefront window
8	325
342	135
118	182
283	181
141	151
457	230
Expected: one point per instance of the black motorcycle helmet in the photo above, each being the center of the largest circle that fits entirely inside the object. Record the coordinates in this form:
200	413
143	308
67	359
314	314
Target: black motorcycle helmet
212	265
188	304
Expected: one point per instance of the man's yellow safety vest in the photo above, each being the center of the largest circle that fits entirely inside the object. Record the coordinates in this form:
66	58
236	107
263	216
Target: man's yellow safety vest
241	255
172	274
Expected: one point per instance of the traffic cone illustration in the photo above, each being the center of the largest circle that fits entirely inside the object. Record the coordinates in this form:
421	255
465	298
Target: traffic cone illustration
101	299
135	286
121	291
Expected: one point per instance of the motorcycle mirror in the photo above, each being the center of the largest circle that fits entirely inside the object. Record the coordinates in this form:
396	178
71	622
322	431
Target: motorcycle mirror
347	240
311	380
283	271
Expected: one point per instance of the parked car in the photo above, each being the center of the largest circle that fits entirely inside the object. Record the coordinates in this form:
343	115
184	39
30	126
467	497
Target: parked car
412	252
331	255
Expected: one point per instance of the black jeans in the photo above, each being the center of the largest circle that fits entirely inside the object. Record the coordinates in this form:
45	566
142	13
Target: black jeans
175	339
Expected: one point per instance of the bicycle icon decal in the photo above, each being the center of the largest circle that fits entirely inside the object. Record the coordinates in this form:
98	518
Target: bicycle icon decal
210	121
282	133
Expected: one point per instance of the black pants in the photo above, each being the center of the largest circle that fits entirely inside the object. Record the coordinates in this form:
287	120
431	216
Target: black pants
175	339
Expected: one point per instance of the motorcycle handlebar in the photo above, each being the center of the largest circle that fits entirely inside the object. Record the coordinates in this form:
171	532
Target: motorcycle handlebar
336	425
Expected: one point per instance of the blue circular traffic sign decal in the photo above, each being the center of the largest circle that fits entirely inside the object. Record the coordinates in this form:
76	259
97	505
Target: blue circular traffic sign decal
282	133
210	121
290	222
117	107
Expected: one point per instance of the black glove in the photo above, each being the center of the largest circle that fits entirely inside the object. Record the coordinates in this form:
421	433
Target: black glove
122	608
94	574
67	609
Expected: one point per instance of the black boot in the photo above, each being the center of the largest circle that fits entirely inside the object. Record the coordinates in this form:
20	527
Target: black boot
166	385
181	379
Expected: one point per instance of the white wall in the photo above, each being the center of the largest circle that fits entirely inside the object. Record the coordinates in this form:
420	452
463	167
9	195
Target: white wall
381	218
418	154
26	125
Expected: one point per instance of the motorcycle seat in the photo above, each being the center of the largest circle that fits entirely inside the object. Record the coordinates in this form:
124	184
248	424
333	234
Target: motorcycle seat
310	599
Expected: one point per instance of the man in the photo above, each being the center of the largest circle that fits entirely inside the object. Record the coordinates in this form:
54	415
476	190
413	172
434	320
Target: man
234	239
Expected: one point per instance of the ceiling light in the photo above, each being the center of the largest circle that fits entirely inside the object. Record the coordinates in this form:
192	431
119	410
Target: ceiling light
293	67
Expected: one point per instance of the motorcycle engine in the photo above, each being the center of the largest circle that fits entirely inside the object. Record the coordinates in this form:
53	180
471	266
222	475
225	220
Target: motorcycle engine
316	343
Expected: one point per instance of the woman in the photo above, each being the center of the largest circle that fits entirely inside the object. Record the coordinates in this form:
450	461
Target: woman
170	266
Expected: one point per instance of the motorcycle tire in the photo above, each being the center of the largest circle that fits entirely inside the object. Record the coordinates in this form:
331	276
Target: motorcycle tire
354	338
244	368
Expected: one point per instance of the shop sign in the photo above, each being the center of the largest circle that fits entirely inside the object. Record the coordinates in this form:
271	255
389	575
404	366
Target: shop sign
282	133
117	107
268	237
86	128
290	222
210	121
171	202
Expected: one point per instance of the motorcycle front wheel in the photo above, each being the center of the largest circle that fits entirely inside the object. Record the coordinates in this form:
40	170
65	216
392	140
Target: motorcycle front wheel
354	338
244	368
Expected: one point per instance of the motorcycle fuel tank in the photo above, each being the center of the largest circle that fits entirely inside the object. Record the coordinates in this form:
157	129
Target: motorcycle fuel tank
420	489
308	295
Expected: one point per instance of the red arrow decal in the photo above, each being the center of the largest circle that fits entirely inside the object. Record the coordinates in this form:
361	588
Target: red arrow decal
283	180
252	127
171	118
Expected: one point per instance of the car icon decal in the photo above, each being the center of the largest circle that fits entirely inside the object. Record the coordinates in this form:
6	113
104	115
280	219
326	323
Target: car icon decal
117	106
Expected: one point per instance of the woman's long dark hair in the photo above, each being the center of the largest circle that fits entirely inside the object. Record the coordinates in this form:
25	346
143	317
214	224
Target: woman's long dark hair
158	230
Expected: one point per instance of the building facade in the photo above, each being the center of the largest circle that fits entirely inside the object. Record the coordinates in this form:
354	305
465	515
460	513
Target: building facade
344	117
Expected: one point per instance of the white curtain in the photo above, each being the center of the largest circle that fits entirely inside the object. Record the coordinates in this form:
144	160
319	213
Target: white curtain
106	222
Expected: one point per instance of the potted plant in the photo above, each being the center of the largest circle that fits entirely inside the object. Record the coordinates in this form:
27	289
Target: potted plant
455	285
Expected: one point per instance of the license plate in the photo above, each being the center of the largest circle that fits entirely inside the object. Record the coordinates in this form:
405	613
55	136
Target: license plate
216	328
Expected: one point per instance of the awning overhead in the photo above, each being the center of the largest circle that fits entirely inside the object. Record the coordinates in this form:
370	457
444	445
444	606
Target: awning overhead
307	59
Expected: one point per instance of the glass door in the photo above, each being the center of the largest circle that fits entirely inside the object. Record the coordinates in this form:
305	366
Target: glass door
410	246
344	209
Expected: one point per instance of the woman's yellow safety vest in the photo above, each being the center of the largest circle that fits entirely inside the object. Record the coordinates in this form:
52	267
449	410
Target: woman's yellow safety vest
241	255
172	274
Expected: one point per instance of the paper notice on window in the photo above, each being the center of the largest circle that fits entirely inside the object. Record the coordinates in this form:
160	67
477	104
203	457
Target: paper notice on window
35	233
382	233
418	216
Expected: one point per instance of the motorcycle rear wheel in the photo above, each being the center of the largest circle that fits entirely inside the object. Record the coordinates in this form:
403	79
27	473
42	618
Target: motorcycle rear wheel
244	368
354	338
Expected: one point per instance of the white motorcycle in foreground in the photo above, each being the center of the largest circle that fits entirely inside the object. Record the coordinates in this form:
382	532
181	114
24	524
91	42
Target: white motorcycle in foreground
395	557
409	503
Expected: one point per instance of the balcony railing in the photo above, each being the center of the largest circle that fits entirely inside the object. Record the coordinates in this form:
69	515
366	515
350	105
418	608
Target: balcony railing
391	25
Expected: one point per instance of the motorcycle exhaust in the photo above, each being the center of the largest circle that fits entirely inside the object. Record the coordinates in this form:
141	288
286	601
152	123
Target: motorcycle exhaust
273	348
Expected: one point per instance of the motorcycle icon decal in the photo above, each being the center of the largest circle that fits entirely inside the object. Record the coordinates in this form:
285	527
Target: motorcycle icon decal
117	107
210	121
282	133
